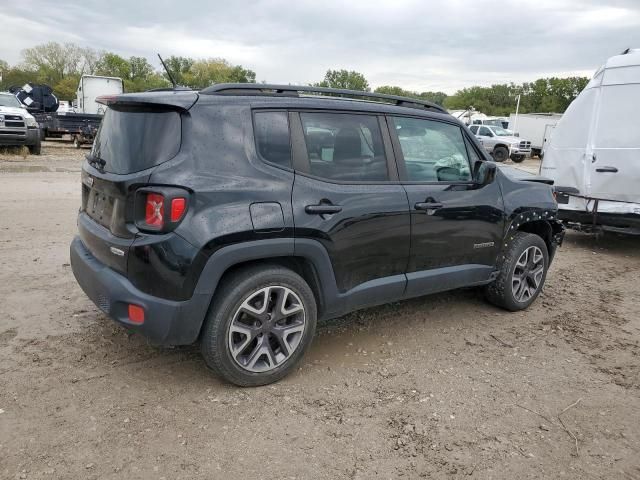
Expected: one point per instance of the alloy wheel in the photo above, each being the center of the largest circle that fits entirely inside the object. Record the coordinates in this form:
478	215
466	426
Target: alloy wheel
528	273
266	329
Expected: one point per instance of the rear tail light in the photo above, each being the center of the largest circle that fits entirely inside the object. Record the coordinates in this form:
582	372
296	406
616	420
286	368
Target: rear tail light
160	209
154	210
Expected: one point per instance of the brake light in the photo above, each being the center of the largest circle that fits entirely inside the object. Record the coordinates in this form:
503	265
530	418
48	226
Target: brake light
154	210
160	209
178	207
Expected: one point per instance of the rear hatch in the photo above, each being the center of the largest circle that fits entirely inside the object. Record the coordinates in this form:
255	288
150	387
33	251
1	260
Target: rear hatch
137	133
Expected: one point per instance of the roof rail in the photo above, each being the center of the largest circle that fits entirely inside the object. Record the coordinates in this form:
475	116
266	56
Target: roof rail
294	91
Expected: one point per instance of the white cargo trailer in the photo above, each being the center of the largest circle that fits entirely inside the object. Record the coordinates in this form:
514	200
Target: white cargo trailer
535	127
91	87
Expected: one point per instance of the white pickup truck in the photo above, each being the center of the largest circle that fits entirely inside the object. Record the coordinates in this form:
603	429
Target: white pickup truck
501	143
17	126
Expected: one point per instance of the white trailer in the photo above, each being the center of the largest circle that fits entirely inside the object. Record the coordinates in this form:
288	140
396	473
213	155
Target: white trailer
91	87
535	127
594	153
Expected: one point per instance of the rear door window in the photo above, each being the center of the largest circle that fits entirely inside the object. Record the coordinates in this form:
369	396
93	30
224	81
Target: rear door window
344	147
271	130
131	141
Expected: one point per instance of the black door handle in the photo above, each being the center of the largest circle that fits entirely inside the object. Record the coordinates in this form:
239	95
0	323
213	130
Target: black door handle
322	209
607	170
428	206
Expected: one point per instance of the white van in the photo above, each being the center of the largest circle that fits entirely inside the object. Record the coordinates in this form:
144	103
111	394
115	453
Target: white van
594	152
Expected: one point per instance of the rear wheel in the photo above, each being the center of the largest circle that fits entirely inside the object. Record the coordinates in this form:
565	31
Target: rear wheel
500	154
262	321
521	272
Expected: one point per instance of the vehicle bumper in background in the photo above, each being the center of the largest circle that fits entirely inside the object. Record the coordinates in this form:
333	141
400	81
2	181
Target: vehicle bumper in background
14	137
592	222
166	322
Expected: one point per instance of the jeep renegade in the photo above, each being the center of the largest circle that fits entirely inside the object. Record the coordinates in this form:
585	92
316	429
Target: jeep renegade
240	215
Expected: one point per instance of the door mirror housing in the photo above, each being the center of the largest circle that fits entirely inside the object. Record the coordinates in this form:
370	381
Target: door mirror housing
485	173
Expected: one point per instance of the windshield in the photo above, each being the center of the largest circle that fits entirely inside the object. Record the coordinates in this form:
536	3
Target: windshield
8	100
130	141
496	123
501	132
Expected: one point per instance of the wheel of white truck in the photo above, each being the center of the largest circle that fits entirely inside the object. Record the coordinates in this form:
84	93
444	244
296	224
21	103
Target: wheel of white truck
500	154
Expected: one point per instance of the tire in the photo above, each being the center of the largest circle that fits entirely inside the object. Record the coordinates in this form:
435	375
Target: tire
504	291
36	148
261	357
76	142
518	158
500	154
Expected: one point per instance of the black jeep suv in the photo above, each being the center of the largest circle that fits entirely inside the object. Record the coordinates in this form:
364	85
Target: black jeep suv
240	215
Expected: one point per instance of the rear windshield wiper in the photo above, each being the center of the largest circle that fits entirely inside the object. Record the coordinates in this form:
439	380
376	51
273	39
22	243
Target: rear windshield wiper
97	162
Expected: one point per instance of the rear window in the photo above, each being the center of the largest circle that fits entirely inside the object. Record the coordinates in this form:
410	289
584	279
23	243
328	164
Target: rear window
130	141
272	137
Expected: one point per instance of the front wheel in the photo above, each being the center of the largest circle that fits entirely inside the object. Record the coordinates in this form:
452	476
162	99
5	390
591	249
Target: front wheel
36	148
522	271
518	158
262	321
500	154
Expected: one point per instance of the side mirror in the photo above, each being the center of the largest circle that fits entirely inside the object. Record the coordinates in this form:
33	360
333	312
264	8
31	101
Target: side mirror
485	173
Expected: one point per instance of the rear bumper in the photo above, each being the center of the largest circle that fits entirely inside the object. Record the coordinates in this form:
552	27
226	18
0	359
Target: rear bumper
166	322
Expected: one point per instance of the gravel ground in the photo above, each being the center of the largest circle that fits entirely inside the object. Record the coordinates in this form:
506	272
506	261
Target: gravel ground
444	386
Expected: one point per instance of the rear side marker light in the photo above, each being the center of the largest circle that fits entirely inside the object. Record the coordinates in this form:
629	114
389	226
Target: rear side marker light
154	210
178	207
136	314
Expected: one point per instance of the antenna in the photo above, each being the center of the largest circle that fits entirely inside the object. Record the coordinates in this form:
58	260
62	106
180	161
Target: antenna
173	82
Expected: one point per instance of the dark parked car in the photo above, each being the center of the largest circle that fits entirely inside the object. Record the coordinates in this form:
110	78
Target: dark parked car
240	215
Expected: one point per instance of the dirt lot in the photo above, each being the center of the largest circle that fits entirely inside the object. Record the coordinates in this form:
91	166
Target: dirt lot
438	387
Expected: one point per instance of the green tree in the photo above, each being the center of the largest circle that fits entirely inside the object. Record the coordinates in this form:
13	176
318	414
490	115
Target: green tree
435	97
140	68
112	65
53	61
204	73
178	66
350	80
66	88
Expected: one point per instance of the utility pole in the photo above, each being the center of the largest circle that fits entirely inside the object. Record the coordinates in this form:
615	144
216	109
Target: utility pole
515	121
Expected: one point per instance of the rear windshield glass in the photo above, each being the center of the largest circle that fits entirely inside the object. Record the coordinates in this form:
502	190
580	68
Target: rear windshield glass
130	141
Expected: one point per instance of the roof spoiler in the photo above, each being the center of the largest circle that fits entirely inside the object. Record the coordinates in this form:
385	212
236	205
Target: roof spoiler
181	100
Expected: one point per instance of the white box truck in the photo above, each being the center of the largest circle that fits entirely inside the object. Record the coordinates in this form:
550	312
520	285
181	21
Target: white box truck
535	127
91	87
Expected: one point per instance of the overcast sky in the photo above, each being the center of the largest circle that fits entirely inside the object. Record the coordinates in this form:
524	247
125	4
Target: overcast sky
418	45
